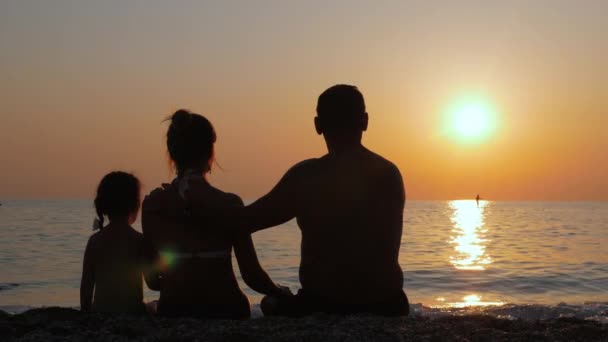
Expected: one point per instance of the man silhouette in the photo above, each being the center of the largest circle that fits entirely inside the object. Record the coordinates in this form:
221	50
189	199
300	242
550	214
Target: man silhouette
349	206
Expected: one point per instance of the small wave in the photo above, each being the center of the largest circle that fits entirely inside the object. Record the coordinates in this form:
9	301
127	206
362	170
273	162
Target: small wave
15	309
593	311
597	312
4	287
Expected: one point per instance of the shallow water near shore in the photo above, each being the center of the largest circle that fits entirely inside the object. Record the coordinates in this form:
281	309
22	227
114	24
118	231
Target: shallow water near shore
511	259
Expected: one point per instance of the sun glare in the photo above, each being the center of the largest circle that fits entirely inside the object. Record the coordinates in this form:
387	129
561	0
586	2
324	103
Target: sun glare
472	120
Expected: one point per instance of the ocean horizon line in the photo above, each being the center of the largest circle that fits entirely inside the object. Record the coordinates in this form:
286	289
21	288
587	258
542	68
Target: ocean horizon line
247	200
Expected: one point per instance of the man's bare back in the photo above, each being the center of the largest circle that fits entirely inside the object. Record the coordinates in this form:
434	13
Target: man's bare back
349	206
350	209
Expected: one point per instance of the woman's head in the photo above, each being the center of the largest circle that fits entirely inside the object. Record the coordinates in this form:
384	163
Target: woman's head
190	140
118	197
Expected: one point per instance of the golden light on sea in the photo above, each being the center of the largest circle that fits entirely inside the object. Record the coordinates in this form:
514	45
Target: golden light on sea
467	235
473	300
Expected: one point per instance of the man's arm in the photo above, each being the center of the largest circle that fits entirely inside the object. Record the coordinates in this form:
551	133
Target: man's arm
276	207
282	203
396	202
161	218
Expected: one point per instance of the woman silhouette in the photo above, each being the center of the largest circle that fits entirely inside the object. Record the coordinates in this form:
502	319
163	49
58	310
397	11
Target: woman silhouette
195	262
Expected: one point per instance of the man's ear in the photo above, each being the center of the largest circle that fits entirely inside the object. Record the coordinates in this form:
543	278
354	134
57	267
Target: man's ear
318	125
364	120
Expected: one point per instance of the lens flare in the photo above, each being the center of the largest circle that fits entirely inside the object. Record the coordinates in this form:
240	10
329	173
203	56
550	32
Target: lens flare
168	259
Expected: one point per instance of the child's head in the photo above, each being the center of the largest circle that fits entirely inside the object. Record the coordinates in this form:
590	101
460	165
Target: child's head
190	140
118	197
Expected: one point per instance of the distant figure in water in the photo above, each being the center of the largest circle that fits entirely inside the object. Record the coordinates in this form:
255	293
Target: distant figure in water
115	257
477	199
197	274
349	206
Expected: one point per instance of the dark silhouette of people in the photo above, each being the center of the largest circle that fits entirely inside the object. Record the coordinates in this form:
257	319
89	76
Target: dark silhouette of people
195	258
349	206
116	257
477	199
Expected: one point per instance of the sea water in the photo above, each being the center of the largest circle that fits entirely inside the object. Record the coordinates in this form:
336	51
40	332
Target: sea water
511	259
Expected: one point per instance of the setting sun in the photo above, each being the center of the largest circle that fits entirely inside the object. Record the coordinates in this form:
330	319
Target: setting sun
472	120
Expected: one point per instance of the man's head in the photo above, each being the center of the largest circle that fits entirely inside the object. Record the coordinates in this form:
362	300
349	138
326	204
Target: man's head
341	113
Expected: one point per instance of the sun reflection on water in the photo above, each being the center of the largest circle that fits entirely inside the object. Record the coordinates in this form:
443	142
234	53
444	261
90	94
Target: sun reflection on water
468	230
473	300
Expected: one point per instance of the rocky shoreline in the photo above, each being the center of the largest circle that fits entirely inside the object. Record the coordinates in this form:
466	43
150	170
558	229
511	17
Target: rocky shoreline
63	324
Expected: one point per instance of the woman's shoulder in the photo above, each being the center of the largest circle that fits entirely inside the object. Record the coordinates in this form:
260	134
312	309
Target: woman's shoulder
228	199
136	239
135	234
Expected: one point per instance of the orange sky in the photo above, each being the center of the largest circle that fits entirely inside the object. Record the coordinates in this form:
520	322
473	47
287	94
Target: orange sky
84	87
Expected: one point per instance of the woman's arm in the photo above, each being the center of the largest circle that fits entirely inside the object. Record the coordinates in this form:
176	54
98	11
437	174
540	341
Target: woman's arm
160	231
254	276
87	282
151	271
252	272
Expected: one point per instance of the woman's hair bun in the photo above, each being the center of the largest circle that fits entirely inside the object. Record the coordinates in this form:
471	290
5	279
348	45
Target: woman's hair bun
180	118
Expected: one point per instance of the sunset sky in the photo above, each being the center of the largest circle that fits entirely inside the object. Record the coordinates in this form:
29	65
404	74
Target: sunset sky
85	85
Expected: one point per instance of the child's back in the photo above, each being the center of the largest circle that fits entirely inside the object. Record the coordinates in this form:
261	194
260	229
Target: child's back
117	257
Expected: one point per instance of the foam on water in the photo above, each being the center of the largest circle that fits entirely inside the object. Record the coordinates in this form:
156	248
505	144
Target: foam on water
590	311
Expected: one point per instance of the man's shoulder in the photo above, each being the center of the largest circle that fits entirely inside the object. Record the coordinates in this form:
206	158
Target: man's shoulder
304	167
384	165
307	163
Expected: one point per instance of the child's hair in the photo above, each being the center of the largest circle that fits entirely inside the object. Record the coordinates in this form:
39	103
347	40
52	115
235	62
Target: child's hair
190	140
118	196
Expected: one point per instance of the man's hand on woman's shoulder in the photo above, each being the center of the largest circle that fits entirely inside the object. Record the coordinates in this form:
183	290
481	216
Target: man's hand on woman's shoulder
164	200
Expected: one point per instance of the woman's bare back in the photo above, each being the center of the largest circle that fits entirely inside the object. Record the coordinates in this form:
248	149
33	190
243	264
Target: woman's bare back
195	262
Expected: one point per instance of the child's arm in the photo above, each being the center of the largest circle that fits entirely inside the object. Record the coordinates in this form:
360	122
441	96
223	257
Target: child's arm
87	283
